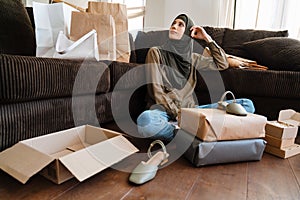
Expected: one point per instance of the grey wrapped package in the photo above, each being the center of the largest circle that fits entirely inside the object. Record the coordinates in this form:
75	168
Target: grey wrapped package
201	153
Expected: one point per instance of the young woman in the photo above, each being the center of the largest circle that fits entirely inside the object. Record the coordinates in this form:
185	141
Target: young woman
171	70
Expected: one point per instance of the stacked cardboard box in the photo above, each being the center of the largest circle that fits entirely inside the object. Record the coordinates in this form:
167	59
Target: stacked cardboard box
212	125
281	135
210	136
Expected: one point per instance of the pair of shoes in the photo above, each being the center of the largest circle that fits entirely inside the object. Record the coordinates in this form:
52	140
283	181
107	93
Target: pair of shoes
146	171
232	108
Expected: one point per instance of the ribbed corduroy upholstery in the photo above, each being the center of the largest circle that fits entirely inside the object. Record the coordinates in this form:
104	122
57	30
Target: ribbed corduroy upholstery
271	91
128	85
30	78
24	120
38	95
269	83
126	75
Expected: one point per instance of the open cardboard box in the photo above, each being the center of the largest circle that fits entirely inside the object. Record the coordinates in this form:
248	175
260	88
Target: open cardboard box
287	125
289	116
81	152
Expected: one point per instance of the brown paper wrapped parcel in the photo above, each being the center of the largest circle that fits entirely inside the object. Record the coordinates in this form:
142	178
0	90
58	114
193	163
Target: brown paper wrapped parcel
216	124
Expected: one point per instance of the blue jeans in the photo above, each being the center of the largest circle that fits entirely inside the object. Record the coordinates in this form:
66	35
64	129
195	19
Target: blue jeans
155	123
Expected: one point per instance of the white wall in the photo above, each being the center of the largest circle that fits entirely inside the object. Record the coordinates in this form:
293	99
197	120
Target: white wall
160	13
29	2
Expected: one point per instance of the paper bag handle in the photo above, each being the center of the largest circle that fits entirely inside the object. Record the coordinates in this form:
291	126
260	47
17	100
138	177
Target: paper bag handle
76	43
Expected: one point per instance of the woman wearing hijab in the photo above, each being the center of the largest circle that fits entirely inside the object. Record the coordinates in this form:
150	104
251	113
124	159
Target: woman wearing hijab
171	70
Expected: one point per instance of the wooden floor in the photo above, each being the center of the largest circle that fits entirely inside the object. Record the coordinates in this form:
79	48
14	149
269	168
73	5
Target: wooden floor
270	178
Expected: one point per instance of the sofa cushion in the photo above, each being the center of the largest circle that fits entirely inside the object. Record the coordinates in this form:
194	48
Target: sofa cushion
233	39
277	53
262	83
26	78
29	119
145	40
16	33
125	76
31	17
132	58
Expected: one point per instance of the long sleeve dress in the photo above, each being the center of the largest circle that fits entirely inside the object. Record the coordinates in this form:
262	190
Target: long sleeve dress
162	91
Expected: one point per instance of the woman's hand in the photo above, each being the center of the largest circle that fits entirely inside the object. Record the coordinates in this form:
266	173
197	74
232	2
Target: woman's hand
198	32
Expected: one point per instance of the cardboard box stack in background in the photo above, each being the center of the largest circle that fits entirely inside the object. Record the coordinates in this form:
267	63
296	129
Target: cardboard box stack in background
281	134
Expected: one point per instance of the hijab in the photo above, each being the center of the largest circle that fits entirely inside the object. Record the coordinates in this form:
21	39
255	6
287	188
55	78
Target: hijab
177	54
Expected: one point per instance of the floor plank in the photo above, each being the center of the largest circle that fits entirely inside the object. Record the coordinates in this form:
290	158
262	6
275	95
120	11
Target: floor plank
228	181
171	182
295	165
109	184
36	188
272	178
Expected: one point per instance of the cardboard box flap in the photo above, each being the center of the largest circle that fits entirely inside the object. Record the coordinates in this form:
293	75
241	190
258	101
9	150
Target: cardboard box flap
289	116
93	159
22	161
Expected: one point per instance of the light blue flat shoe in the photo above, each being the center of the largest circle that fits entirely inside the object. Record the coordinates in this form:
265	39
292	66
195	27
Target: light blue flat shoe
146	171
236	109
143	173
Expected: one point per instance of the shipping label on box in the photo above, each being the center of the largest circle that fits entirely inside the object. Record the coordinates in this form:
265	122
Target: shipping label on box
81	152
281	130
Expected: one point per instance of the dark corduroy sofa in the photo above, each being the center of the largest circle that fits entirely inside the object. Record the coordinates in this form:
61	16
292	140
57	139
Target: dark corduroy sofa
44	95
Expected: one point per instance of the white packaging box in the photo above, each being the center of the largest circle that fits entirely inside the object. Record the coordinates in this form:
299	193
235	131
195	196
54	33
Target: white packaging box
289	116
286	126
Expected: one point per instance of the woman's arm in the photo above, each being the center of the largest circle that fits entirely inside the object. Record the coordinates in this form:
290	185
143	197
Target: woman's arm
198	32
217	53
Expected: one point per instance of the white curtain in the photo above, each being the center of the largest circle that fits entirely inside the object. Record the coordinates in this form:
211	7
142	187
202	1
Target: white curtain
269	15
226	13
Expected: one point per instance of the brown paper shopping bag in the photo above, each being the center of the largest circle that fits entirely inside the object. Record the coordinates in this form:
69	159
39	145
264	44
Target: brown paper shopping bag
82	23
119	13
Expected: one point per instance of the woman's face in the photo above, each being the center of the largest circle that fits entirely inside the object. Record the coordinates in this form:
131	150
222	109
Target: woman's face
177	29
